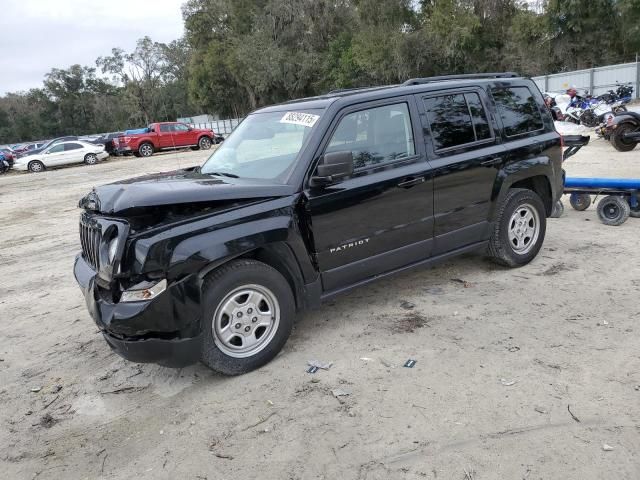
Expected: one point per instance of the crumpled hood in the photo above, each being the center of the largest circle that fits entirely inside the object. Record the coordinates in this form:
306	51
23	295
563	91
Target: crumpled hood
174	188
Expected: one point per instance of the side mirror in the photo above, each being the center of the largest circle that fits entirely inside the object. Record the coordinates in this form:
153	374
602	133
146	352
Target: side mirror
332	167
190	128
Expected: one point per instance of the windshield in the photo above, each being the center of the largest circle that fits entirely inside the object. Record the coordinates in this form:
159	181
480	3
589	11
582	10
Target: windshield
264	146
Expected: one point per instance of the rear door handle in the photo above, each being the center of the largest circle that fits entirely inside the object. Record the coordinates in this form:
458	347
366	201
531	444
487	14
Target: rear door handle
411	182
491	161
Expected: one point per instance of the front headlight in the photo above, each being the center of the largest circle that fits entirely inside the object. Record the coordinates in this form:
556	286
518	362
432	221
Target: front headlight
144	291
112	249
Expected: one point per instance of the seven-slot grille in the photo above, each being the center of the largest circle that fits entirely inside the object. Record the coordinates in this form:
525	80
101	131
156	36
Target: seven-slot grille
90	239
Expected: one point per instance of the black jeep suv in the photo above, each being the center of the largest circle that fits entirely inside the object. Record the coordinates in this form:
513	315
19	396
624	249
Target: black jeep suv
308	199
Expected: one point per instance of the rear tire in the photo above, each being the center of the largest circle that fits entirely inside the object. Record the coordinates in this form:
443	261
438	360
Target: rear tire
519	229
580	201
618	141
145	150
613	210
249	311
36	166
90	159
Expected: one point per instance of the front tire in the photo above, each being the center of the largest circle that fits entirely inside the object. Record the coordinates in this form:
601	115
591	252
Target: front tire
618	141
519	229
36	166
249	311
204	143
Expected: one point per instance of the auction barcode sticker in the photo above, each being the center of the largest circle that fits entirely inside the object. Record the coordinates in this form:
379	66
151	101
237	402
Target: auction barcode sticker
300	118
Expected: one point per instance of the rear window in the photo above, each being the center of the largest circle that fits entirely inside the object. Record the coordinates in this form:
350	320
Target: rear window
456	120
518	109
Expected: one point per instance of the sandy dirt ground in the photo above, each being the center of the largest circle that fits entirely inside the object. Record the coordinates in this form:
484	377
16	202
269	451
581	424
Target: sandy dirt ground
525	374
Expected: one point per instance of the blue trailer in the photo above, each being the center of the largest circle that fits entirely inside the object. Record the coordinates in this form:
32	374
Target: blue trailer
622	197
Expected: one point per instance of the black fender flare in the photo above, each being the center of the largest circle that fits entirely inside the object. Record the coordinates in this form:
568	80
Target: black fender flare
533	169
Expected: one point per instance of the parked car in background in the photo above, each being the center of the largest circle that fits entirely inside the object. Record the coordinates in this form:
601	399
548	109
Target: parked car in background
50	143
26	148
62	153
108	140
4	164
9	154
165	136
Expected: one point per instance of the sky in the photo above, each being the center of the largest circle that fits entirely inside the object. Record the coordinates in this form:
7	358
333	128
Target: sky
38	35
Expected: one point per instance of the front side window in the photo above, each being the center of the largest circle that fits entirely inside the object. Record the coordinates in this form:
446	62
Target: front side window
375	136
178	127
518	109
264	146
456	120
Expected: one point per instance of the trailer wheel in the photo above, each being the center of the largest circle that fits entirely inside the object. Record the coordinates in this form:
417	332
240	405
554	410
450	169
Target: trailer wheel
634	211
558	209
618	141
580	201
613	210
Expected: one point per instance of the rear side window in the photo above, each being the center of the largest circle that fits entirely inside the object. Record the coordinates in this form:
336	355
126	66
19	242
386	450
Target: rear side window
375	136
166	128
72	146
518	109
456	120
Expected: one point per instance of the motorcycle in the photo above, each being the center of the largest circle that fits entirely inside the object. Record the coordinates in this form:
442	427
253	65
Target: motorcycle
618	98
624	131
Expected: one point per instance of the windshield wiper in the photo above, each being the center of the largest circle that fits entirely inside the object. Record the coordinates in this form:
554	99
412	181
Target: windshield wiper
223	174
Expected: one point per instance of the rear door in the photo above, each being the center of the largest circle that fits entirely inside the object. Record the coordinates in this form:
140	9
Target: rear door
380	218
165	135
466	154
73	152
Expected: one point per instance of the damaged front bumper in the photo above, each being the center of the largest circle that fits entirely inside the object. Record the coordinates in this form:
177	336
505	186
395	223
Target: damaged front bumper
165	330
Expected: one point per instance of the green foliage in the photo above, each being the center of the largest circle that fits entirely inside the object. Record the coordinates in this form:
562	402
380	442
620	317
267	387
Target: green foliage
238	55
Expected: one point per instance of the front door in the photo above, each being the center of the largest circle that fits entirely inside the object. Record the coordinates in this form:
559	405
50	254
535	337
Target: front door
183	135
466	156
381	218
54	155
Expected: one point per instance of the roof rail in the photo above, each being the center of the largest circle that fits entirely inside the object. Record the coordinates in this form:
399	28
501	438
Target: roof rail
342	90
418	81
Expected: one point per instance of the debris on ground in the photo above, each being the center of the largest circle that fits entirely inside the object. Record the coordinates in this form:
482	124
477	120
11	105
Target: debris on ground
409	323
463	282
130	389
319	364
607	448
407	305
47	421
541	410
36	389
514	349
572	415
434	290
508	383
469	474
366	359
410	363
338	392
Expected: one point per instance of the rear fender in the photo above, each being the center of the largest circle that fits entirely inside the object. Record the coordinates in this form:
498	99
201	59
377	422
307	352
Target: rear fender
532	173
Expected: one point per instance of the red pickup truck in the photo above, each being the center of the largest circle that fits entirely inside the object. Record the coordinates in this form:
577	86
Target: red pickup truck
164	136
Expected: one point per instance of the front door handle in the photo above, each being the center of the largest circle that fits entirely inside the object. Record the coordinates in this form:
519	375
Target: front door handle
491	161
411	182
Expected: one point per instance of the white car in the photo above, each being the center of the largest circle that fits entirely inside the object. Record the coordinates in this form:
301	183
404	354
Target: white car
62	153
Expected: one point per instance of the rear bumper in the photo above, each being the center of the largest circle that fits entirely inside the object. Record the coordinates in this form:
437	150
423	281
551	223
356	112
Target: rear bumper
165	330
